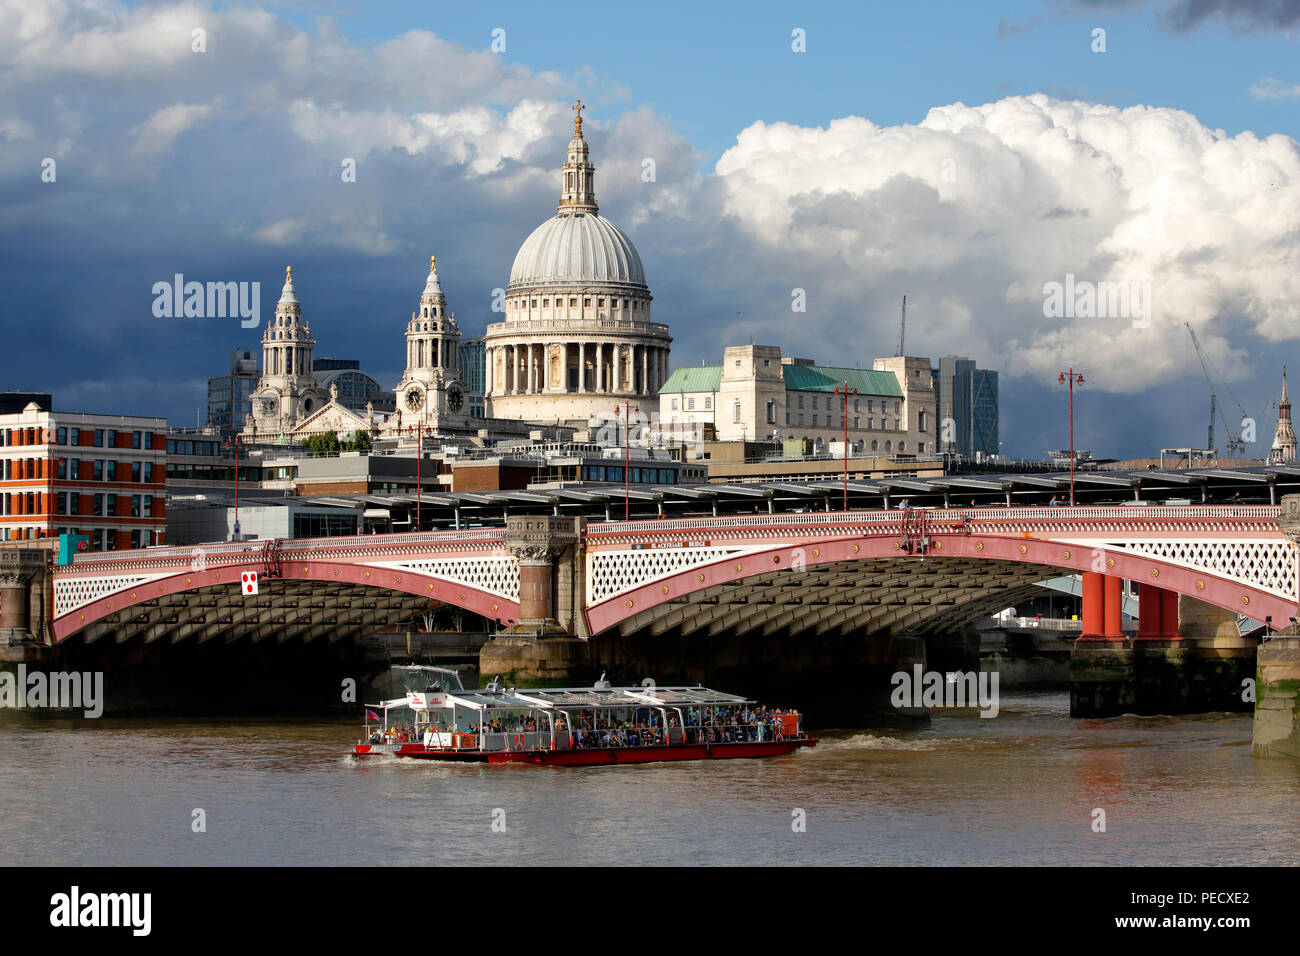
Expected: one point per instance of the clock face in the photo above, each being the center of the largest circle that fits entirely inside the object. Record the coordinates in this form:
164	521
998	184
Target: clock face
455	399
414	399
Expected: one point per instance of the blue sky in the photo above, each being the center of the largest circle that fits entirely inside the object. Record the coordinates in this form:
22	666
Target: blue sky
848	170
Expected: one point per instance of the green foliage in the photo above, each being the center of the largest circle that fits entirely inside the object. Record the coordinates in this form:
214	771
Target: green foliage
328	443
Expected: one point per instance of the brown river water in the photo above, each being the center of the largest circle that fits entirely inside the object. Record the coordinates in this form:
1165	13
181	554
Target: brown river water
1017	789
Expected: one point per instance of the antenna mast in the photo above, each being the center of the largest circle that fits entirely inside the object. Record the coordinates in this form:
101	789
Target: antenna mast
902	328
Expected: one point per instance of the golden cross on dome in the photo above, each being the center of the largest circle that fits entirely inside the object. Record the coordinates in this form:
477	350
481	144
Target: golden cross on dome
577	121
433	263
288	273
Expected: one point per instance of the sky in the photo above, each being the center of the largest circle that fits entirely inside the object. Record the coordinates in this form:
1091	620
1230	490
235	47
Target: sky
973	157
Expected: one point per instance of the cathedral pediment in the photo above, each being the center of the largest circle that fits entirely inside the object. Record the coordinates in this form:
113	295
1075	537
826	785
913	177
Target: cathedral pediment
331	417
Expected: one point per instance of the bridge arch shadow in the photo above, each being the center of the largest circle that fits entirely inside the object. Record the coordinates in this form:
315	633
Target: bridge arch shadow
304	599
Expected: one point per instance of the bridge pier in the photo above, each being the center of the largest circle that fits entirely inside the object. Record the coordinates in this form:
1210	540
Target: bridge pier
1276	731
23	604
547	644
1188	657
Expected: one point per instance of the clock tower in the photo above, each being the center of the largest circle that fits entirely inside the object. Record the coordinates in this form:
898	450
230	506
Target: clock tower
431	394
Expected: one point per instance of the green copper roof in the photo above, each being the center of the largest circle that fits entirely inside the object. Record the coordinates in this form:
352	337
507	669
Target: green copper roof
800	378
805	378
693	378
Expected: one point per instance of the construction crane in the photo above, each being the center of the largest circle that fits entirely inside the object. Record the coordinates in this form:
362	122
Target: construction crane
902	328
1235	445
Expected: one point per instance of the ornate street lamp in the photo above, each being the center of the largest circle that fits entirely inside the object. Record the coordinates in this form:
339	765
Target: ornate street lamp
1070	379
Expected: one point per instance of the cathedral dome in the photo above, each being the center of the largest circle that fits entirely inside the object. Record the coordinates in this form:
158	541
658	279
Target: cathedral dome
579	248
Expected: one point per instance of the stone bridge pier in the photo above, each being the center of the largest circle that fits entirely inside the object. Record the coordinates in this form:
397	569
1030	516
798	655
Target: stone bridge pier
24	596
547	645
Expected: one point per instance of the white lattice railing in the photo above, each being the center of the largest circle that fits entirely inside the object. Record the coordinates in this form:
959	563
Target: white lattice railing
495	574
1240	543
948	520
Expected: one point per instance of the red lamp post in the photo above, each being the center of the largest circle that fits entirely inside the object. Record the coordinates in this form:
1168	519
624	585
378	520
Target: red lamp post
844	391
1070	379
627	411
234	442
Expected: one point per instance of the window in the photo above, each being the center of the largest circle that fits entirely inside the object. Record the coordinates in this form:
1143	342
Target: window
110	438
708	401
74	436
148	506
674	404
920	421
61	436
735	412
97	506
99	438
586	303
814	421
690	404
898	426
99	471
871	424
110	503
902	446
855	422
61	469
771	412
888	446
135	439
110	471
135	471
135	506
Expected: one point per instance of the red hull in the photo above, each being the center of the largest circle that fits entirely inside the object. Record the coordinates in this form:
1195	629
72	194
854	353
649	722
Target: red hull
596	756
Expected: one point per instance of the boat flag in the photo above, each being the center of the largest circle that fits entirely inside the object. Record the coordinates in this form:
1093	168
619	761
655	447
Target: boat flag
371	715
249	581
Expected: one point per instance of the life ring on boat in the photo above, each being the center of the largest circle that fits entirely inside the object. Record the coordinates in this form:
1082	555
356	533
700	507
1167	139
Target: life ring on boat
519	742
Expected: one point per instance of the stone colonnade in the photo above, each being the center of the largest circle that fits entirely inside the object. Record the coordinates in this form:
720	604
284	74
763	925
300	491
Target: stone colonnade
576	368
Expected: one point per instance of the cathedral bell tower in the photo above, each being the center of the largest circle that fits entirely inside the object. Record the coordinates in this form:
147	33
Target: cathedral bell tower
287	392
431	391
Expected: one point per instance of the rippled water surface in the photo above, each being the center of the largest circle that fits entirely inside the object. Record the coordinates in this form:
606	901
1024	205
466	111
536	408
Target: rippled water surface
1017	789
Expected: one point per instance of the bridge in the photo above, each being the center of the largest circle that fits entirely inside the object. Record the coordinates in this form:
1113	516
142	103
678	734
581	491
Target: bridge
793	577
849	571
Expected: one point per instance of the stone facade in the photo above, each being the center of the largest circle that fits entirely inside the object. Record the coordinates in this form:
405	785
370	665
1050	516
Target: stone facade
757	394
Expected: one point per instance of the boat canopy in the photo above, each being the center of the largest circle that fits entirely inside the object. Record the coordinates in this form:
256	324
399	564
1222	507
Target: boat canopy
564	698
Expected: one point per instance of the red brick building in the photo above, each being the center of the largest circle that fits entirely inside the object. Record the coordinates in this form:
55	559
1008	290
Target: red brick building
99	475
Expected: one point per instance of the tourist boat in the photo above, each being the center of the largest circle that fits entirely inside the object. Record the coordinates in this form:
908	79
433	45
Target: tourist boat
439	719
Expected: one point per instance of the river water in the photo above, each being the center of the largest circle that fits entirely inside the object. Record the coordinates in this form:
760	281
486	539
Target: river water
1020	788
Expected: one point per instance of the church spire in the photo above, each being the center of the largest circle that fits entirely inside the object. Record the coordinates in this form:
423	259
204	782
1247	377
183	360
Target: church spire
578	194
1284	441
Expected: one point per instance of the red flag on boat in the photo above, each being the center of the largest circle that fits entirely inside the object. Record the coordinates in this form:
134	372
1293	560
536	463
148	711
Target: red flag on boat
371	715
